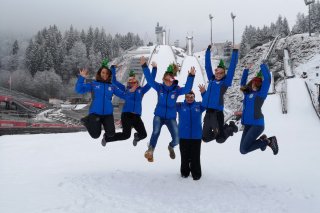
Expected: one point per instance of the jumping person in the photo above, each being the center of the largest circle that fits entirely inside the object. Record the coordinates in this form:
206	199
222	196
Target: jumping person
101	109
131	112
165	111
190	133
213	100
255	93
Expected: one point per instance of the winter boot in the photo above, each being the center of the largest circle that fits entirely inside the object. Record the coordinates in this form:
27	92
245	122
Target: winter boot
136	139
234	126
171	152
264	138
103	141
149	154
273	144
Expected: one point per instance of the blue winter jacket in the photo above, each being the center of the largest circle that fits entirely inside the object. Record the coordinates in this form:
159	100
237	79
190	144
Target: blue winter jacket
133	100
167	96
213	98
190	124
102	93
253	100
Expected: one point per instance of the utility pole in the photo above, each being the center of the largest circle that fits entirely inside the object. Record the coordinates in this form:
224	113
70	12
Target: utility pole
233	16
211	17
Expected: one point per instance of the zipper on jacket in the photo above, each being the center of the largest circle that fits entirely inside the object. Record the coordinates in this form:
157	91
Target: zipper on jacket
134	100
190	122
165	115
104	96
209	95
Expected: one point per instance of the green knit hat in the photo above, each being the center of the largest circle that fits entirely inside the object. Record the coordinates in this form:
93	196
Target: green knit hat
105	63
132	74
259	74
221	64
172	69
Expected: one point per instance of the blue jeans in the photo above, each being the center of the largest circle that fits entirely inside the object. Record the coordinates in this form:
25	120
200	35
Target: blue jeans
172	127
249	140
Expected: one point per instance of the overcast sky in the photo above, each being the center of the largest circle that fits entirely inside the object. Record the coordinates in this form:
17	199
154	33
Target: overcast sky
182	18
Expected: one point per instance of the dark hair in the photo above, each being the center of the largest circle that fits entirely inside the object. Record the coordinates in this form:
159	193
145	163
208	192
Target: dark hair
190	93
248	88
98	75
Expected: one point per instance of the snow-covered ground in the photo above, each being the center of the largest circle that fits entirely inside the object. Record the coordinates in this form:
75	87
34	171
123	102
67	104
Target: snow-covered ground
74	173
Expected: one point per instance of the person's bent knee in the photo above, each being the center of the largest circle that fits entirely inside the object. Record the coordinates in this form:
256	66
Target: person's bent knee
220	140
243	151
95	136
142	136
206	139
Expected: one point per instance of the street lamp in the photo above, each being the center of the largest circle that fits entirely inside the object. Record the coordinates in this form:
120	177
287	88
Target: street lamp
308	3
211	17
233	16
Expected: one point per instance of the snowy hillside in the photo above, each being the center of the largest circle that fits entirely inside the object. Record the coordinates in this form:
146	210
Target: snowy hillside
74	173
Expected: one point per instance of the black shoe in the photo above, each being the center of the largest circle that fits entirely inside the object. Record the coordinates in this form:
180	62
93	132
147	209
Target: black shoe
103	141
171	152
196	178
234	126
184	176
136	139
273	144
149	154
263	137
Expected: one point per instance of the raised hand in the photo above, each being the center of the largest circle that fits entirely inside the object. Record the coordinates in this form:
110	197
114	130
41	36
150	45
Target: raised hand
134	87
83	73
202	88
192	71
238	113
209	47
154	64
143	60
249	66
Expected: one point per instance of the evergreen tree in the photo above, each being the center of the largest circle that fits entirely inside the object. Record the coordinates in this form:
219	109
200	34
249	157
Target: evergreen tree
15	47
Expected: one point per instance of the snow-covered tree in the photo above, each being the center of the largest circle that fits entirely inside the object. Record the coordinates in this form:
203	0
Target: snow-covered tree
15	48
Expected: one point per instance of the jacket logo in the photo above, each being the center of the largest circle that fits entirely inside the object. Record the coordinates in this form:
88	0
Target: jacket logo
251	96
173	96
109	88
217	82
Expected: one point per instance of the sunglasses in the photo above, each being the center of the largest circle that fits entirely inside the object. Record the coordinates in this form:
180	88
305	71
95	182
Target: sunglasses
189	96
132	82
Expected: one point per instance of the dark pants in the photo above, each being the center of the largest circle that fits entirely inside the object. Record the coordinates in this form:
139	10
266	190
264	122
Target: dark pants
190	157
249	140
129	121
214	127
93	124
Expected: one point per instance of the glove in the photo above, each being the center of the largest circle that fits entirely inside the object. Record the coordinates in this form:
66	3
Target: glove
209	47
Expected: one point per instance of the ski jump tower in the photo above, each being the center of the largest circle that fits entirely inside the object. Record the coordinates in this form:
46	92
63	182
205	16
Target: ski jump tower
189	45
160	34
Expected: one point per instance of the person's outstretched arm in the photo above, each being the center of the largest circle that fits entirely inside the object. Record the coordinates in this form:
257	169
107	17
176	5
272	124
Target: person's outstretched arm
146	87
147	75
208	66
118	92
114	79
244	77
266	81
232	67
82	87
187	88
